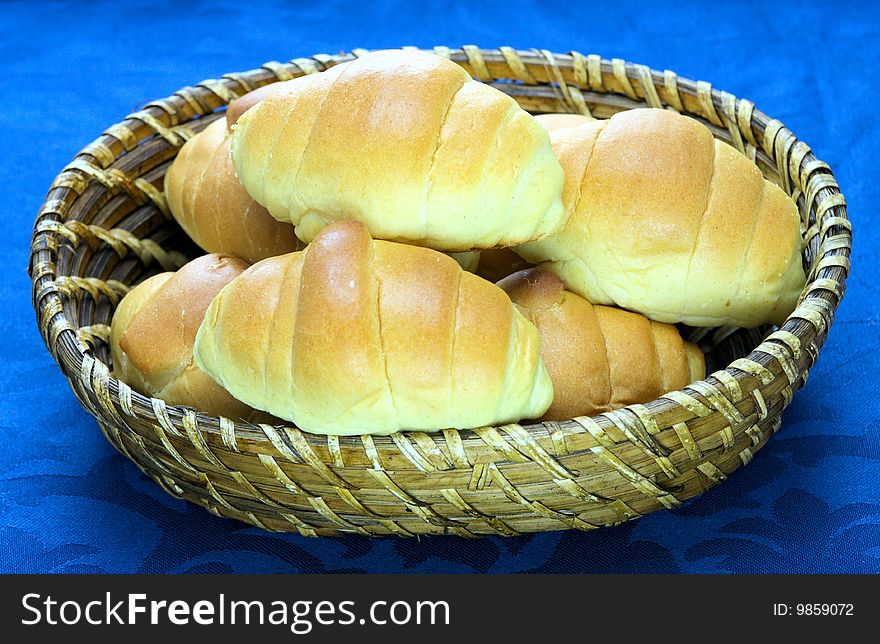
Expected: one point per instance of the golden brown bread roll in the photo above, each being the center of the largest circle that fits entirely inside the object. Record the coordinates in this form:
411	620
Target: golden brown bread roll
153	330
211	206
599	357
409	144
667	221
356	336
560	121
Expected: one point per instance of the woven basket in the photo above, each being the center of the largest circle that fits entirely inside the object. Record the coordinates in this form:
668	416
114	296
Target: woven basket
105	226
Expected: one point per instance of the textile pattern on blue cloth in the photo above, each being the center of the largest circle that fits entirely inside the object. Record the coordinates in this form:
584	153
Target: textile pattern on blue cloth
808	502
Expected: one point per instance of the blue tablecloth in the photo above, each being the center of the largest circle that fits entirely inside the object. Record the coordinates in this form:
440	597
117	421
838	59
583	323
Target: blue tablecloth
809	501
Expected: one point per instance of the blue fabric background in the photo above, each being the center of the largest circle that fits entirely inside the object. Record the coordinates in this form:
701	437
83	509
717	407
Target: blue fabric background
809	502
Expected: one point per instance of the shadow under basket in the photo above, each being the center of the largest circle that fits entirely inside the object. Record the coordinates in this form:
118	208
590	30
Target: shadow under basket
105	227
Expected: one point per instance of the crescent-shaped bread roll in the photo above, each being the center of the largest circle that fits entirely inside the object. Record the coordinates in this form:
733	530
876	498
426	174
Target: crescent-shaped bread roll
356	336
668	221
209	203
153	330
600	358
406	142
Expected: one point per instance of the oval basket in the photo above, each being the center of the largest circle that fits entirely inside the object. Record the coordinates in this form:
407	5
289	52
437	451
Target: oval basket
105	226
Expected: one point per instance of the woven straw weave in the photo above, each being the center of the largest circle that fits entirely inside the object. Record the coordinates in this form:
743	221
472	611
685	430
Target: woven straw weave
105	226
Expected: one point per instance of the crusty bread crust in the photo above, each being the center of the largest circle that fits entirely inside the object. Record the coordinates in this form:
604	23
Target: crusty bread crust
407	143
598	357
212	207
667	221
153	330
356	336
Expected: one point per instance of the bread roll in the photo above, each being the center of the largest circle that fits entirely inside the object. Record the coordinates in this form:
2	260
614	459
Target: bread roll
152	334
497	263
560	121
208	202
667	221
354	336
407	143
600	358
